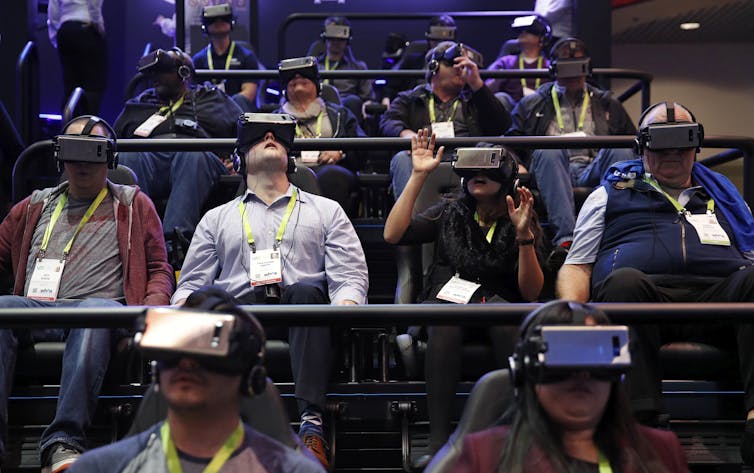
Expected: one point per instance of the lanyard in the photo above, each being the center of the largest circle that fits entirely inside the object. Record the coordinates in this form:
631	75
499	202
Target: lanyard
604	465
217	462
521	67
582	116
327	67
56	214
681	210
227	59
172	108
283	223
318	131
432	109
490	232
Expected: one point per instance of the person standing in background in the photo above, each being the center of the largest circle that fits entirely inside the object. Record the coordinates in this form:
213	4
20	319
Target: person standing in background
77	29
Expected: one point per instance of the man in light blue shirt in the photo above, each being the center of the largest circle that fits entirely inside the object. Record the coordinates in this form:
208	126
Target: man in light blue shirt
279	244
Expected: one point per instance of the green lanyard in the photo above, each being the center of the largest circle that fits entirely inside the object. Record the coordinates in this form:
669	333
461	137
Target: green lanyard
490	232
432	109
173	107
582	116
217	462
327	67
56	214
604	465
681	209
283	223
521	68
318	131
227	59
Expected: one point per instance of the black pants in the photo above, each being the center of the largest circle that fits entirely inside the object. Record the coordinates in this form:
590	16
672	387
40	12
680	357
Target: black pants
83	57
339	184
631	285
310	348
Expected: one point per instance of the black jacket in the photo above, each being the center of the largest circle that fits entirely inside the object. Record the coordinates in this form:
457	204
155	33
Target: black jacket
484	113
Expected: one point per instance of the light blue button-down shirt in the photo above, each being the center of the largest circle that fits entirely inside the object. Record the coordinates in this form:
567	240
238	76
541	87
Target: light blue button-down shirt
319	247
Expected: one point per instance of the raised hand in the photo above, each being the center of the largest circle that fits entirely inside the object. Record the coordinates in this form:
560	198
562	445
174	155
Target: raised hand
521	216
422	149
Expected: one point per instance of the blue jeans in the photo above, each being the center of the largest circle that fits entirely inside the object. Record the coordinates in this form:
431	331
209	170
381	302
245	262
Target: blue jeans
186	178
85	360
556	177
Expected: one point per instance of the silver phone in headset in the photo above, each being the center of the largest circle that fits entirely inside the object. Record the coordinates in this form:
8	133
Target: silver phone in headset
478	158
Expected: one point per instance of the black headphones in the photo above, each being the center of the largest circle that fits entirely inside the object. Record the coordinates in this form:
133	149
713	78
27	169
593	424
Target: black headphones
435	56
184	62
642	136
524	364
239	163
574	45
227	16
91	122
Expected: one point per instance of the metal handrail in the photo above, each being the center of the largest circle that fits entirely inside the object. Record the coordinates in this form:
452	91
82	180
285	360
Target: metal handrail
70	105
370	315
27	91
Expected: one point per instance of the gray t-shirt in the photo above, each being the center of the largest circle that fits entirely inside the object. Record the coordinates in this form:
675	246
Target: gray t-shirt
571	114
243	460
93	267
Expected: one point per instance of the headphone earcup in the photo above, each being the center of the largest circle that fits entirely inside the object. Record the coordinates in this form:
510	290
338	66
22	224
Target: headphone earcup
291	165
638	146
184	72
257	380
239	163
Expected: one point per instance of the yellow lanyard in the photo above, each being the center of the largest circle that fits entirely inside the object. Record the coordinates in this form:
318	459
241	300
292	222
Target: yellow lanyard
432	109
172	107
491	231
217	462
283	223
227	59
681	209
521	68
582	116
56	214
604	465
318	130
327	67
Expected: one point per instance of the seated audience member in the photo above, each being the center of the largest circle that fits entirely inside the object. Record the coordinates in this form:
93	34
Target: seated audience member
224	53
486	251
663	228
440	28
575	419
203	386
316	118
569	107
454	102
533	35
354	92
176	108
279	244
85	243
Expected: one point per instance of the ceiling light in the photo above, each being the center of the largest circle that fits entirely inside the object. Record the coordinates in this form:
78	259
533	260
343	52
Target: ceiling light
690	26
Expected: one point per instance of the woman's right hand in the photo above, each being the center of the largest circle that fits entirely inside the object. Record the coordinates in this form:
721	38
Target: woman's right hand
422	149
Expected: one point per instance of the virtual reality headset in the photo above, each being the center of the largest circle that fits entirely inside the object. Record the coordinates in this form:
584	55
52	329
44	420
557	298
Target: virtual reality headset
675	135
217	12
496	163
460	49
253	126
210	338
441	33
83	148
570	67
554	352
333	31
157	61
531	24
306	66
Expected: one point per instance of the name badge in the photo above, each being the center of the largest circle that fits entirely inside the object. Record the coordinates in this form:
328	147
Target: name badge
45	280
576	134
265	267
443	129
528	91
310	157
458	290
709	230
146	128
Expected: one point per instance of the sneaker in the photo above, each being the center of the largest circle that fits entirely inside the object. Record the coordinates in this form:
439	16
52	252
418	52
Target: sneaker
60	458
318	447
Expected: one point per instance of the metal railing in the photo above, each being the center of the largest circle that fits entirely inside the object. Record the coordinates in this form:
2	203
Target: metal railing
71	104
27	92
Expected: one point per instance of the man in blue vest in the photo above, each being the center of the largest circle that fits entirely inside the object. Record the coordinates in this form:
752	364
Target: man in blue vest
663	228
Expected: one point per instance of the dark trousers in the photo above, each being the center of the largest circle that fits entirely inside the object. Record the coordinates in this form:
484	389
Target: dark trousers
631	285
310	348
83	57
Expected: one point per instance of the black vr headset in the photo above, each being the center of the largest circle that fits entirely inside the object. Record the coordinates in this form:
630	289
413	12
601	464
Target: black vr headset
212	13
670	134
253	126
497	163
219	342
448	55
172	60
85	147
570	66
441	33
305	66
